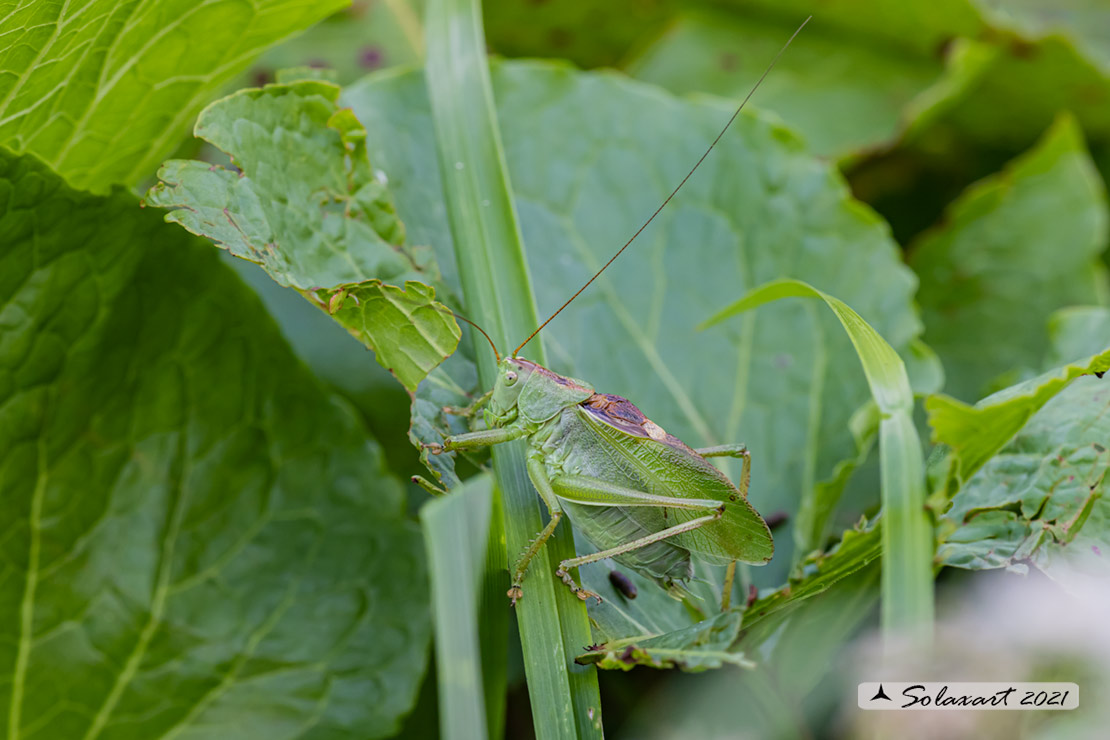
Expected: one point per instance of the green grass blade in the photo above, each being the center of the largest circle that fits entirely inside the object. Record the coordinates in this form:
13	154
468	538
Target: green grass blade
908	547
498	295
455	535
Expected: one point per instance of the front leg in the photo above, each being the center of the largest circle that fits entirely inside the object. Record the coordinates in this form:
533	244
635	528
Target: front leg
473	440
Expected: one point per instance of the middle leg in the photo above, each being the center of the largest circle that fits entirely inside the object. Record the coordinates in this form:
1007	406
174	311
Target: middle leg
538	474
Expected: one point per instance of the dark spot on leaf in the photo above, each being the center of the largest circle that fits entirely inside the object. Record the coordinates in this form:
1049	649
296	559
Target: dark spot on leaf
1100	374
594	648
262	76
753	594
560	38
622	584
370	57
1023	49
944	47
626	656
776	519
728	61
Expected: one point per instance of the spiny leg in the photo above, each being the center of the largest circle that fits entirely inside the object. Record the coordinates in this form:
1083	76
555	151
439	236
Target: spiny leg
538	474
590	491
472	440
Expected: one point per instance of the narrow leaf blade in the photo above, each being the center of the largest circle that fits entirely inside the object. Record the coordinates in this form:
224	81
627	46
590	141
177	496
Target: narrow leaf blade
455	534
497	289
907	581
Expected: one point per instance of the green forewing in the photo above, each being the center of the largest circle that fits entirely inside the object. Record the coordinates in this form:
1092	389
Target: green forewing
670	468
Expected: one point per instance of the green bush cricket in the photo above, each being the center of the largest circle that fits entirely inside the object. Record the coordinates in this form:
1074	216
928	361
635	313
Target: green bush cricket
642	497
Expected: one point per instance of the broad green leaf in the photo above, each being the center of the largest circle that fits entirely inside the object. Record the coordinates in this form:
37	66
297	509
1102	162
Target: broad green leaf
455	532
1084	21
606	34
103	90
587	34
842	96
696	648
772	700
198	541
304	201
408	330
1013	249
307	206
976	433
1002	92
785	382
1040	499
358	39
1079	331
920	28
907	535
344	365
857	548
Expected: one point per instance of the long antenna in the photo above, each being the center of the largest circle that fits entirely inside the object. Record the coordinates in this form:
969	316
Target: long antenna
673	192
491	344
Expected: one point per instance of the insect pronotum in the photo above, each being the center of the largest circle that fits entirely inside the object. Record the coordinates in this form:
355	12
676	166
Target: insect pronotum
643	497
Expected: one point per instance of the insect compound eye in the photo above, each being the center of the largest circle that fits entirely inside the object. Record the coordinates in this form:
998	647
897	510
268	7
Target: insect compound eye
510	378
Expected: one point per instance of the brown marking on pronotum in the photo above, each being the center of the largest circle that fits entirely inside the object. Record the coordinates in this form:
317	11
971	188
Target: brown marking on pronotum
560	379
